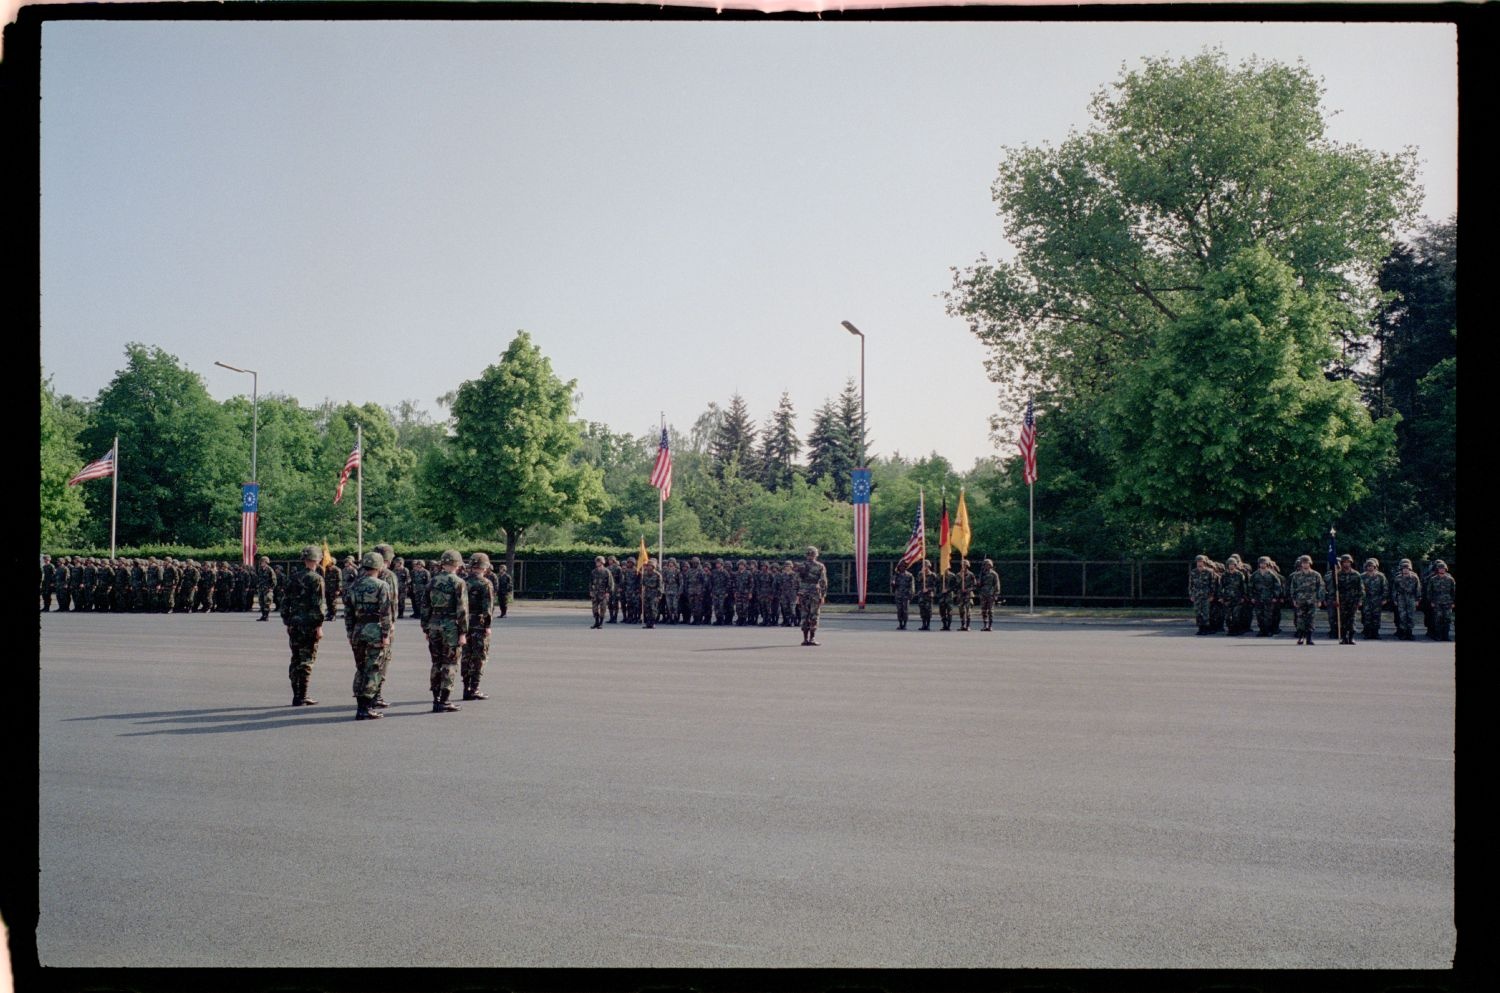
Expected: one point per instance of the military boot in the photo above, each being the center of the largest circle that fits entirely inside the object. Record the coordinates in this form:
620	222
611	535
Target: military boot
307	701
440	704
364	713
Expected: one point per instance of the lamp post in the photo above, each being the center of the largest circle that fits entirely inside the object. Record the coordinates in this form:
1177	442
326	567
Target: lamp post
861	336
254	415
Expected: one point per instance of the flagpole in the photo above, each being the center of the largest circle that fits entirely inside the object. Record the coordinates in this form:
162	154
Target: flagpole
661	507
359	489
1031	560
114	498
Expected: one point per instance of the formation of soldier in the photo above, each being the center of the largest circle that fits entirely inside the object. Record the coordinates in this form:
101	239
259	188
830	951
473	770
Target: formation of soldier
958	589
1230	597
159	585
784	594
455	605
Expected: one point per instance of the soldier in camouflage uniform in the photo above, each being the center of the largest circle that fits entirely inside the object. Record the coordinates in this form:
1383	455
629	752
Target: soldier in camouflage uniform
60	584
446	624
302	613
685	596
601	588
903	584
1234	594
650	592
48	581
928	586
786	589
1202	584
720	587
388	554
265	581
989	594
187	590
744	586
1351	593
812	586
367	619
671	591
947	593
1406	593
1441	594
403	583
965	593
697	584
617	591
630	592
481	608
333	587
764	596
1265	590
421	579
1376	597
504	587
1305	590
171	575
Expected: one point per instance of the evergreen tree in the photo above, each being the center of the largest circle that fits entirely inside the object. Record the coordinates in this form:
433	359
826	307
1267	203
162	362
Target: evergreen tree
734	440
779	447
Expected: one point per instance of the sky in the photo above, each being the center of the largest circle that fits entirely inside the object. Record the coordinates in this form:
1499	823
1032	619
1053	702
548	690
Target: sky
675	212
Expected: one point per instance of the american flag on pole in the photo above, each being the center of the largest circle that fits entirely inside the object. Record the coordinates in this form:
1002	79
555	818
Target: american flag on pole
1027	444
661	473
916	546
249	513
350	465
97	469
861	500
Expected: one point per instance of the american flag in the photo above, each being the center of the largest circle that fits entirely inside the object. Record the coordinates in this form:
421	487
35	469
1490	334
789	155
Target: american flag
97	469
861	500
661	473
350	465
1027	443
916	546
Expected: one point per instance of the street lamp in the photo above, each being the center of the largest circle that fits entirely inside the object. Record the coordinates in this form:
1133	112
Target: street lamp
254	415
862	433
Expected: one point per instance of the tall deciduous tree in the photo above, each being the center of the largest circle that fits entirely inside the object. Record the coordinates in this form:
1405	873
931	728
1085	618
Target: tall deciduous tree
507	466
1123	234
181	461
62	506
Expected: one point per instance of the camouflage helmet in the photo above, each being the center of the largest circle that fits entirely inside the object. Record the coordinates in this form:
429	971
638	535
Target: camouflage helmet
1439	564
479	560
1235	558
1346	557
311	553
386	551
1372	562
598	560
812	551
1304	560
1405	563
451	557
372	560
1263	560
1200	558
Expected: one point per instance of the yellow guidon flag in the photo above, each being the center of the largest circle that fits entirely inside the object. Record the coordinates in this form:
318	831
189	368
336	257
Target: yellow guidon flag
327	558
959	536
645	556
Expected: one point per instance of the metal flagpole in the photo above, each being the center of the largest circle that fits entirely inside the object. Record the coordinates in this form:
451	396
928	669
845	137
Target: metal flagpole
1031	561
114	498
661	507
359	489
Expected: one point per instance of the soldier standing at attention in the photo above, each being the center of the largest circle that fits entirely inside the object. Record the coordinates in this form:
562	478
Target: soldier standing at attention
1377	595
723	588
630	592
687	600
965	593
367	619
744	585
1406	592
388	554
617	591
49	580
481	608
812	585
446	624
650	592
421	579
927	584
403	583
1305	589
1265	589
903	583
989	592
1351	593
786	587
264	580
601	590
1440	595
504	587
671	591
302	613
1202	583
333	587
1233	591
948	586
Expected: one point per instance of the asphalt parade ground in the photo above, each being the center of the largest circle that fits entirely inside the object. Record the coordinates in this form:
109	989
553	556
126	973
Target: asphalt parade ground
1049	795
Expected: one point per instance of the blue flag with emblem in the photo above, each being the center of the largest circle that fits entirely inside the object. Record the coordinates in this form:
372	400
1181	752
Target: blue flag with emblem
860	497
249	512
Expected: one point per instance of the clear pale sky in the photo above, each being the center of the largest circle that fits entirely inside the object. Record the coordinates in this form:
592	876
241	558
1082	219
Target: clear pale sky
368	211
